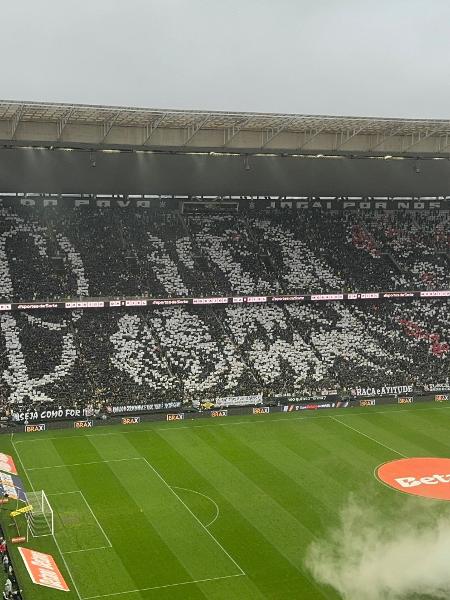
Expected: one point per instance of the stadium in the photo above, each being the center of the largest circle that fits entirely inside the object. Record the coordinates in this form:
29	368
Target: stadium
225	333
198	372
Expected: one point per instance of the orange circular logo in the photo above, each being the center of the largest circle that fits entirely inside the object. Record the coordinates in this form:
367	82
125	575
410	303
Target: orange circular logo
429	477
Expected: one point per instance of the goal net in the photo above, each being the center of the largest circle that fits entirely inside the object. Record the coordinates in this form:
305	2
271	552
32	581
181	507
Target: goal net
39	520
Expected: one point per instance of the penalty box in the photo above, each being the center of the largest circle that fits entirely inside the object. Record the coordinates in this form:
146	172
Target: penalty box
123	500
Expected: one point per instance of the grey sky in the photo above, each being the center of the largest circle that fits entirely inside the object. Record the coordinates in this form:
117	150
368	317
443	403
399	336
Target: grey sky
349	57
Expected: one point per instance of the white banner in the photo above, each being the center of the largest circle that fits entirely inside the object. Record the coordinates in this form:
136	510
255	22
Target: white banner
239	400
232	401
437	387
385	390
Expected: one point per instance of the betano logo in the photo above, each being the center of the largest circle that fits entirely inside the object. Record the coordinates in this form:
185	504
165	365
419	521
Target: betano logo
428	477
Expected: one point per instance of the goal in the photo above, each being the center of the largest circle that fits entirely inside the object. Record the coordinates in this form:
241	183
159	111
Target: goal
40	522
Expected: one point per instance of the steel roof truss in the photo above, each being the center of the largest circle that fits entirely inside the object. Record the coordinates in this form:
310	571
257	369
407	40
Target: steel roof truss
268	135
151	127
231	132
416	138
446	144
108	125
312	135
61	125
194	129
348	135
385	136
16	120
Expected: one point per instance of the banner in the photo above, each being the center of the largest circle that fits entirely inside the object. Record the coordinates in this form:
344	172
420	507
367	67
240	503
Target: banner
175	417
49	414
83	424
141	408
384	390
342	404
35	428
219	413
7	464
261	410
292	407
42	569
330	392
130	420
405	400
368	402
171	202
295	407
290	399
239	400
441	398
158	302
349	204
437	387
67	414
69	202
12	486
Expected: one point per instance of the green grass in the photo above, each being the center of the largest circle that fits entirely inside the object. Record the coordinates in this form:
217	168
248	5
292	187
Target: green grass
222	509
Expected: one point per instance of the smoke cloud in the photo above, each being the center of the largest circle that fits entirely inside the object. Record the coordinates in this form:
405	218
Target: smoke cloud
398	553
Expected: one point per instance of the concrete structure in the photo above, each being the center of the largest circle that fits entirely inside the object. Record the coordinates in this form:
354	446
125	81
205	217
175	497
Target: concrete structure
106	127
63	149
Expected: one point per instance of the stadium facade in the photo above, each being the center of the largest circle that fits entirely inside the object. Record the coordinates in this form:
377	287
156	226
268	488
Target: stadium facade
64	148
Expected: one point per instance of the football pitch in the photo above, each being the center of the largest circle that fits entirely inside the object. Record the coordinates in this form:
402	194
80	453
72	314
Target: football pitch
217	509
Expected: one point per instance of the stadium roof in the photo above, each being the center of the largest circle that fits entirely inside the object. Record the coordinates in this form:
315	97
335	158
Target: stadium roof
127	128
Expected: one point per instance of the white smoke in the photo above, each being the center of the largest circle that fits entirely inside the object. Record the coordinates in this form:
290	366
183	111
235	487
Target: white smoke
395	554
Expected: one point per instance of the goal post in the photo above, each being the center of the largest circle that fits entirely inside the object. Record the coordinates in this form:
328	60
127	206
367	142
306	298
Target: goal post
40	520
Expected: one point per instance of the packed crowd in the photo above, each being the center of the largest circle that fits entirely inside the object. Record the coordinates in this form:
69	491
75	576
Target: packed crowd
98	359
11	589
54	253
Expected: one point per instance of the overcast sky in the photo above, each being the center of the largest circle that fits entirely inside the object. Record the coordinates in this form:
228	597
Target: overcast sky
349	57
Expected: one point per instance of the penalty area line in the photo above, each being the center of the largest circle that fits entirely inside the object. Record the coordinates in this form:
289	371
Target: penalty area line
368	437
87	549
94	517
241	571
94	462
160	587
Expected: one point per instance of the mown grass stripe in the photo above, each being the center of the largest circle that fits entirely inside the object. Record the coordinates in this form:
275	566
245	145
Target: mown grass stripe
276	525
276	486
268	571
131	532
